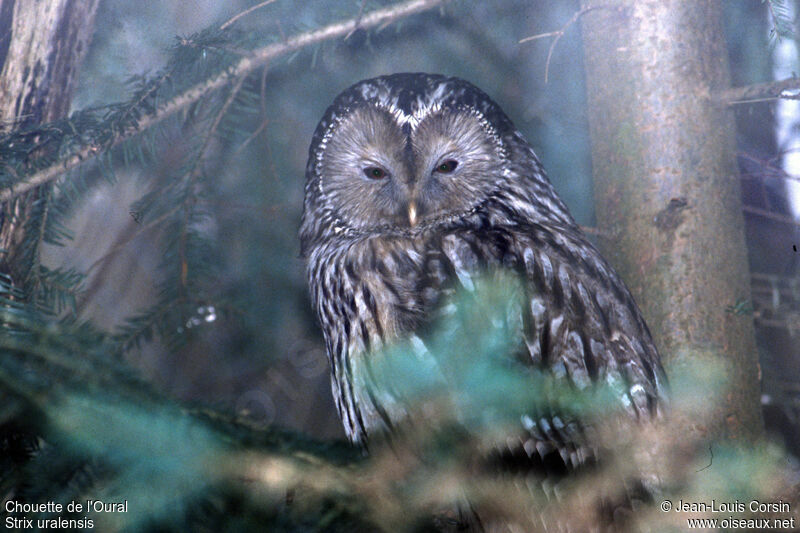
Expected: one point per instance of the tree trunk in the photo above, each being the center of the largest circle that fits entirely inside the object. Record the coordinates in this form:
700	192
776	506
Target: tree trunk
42	44
667	188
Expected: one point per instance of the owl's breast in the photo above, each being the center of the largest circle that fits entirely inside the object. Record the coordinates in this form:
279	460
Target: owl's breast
367	293
371	290
392	270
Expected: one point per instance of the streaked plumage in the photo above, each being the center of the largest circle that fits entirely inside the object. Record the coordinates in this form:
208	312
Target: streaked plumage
416	183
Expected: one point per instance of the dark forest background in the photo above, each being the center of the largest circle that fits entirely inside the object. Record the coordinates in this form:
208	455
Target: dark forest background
226	176
264	354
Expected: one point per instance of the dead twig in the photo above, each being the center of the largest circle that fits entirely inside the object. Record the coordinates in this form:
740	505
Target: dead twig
558	34
771	171
358	20
245	12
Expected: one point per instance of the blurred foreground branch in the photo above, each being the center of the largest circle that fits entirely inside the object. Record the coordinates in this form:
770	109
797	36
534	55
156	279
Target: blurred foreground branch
110	438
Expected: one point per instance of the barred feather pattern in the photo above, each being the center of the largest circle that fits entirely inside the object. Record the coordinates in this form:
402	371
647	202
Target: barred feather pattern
377	272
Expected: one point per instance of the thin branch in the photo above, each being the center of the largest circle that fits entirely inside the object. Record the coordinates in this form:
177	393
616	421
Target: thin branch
212	130
198	164
591	230
541	36
761	276
774	17
773	323
36	269
770	215
770	290
139	229
261	127
245	12
775	172
779	23
358	20
262	104
244	67
127	337
558	34
121	243
760	92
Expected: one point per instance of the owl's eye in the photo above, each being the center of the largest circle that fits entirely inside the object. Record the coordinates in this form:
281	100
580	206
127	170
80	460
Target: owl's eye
375	173
446	167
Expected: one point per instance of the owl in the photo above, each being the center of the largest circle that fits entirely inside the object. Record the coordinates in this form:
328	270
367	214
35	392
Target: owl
415	184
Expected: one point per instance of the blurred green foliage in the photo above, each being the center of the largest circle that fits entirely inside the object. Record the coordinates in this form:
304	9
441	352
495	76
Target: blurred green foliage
107	437
471	364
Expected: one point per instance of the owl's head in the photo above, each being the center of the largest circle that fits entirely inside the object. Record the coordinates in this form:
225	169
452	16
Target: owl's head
406	151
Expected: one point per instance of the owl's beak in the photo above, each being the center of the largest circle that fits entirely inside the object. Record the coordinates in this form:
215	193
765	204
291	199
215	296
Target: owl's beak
412	214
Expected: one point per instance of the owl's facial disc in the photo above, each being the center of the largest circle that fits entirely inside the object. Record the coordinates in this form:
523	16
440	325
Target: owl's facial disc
364	173
459	161
379	170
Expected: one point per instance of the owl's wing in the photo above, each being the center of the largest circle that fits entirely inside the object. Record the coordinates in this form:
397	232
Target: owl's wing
579	321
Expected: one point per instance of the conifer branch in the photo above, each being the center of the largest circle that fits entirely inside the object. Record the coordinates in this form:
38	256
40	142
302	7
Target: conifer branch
192	175
246	65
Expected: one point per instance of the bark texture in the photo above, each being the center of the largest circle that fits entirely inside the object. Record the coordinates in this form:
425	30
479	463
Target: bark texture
42	44
667	188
